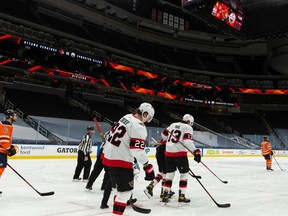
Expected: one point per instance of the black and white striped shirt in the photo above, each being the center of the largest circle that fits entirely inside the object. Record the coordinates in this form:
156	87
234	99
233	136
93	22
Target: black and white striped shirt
85	144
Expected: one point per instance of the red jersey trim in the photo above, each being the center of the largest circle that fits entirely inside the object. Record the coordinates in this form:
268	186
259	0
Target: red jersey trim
187	136
136	143
116	163
162	142
175	154
134	139
165	132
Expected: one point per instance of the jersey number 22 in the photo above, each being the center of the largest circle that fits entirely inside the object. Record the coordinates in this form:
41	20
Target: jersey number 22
116	134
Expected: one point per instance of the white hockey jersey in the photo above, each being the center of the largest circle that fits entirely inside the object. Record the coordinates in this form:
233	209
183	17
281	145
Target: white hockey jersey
126	140
176	134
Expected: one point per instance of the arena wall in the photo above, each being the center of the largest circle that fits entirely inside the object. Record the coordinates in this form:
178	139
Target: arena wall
70	151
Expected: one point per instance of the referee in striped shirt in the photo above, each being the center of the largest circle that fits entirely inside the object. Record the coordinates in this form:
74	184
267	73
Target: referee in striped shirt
84	159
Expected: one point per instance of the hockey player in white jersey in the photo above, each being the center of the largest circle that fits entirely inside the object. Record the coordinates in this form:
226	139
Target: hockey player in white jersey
179	137
126	141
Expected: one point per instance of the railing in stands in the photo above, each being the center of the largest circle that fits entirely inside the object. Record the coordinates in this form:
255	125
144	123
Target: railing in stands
107	120
236	139
79	104
7	104
272	131
96	114
84	106
164	125
156	121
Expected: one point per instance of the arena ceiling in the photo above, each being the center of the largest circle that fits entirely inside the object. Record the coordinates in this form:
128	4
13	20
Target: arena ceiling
262	18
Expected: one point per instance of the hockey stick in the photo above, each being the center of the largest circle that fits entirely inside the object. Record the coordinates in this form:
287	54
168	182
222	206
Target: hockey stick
155	142
139	209
226	205
41	194
278	163
99	129
135	208
225	182
195	176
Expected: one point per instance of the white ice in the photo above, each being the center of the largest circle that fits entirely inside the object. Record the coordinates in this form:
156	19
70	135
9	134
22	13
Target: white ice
251	190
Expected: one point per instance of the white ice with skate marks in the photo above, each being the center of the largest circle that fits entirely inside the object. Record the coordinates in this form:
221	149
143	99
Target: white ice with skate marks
251	190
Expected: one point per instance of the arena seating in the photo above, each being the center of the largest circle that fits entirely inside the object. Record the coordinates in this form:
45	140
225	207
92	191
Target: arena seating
199	117
52	107
240	122
110	110
283	135
24	134
70	130
277	119
35	103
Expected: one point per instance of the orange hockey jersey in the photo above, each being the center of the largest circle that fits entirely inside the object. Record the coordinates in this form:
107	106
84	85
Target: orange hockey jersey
6	129
266	147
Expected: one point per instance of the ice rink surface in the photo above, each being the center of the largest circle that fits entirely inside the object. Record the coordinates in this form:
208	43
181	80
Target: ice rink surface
251	190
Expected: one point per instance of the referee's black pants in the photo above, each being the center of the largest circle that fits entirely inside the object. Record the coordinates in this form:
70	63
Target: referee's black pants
81	163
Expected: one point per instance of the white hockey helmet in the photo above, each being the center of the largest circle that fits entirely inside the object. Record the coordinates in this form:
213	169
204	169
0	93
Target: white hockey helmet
189	119
147	108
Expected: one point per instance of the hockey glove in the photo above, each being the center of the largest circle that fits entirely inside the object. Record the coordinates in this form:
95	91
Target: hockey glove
149	172
271	153
11	151
197	155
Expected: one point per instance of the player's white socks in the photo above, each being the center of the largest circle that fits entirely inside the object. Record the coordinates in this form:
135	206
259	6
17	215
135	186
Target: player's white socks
157	179
183	182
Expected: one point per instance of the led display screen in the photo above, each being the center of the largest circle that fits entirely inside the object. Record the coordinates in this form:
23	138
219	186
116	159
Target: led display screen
222	12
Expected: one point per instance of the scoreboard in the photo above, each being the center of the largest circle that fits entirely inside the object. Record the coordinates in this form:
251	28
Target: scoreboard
229	16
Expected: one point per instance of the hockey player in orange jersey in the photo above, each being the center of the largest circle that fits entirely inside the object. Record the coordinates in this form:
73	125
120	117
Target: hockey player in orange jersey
267	153
6	147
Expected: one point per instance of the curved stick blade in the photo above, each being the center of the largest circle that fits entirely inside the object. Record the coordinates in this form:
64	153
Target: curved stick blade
226	205
47	194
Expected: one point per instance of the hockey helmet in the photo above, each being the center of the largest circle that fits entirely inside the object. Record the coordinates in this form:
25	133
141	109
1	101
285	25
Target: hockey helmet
9	112
90	127
147	108
189	119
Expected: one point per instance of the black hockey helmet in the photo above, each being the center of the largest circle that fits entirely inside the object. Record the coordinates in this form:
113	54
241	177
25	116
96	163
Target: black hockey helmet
9	112
265	138
90	127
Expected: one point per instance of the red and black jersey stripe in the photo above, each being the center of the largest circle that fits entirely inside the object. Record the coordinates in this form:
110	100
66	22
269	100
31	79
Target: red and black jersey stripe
165	132
137	143
187	136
